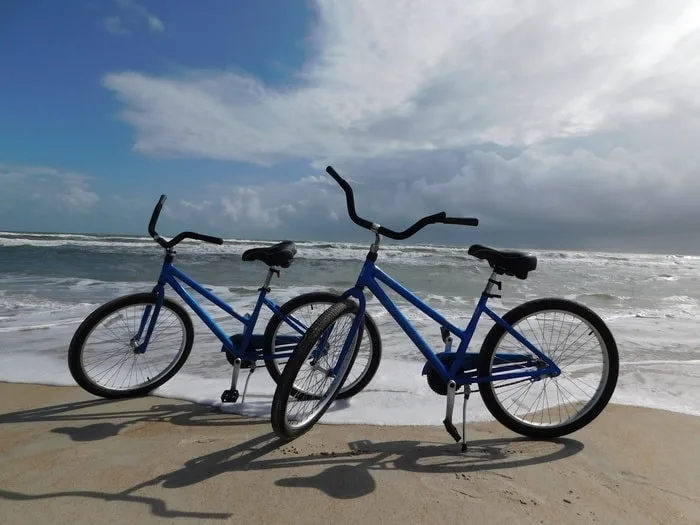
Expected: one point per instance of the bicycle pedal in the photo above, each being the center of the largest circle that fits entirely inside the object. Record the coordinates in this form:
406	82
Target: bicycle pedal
229	396
451	430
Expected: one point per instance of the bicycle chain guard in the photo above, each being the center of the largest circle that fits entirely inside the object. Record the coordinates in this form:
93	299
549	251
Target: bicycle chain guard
435	382
255	343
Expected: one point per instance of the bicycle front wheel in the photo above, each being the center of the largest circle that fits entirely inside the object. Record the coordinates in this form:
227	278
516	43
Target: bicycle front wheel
280	336
104	356
303	396
572	336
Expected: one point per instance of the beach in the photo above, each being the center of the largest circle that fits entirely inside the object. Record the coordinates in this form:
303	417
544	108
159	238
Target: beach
380	457
68	457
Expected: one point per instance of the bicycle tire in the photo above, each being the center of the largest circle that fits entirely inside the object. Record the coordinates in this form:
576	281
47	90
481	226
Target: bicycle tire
370	328
490	345
77	344
285	388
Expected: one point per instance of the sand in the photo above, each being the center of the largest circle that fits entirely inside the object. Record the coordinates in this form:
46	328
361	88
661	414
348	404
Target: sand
68	457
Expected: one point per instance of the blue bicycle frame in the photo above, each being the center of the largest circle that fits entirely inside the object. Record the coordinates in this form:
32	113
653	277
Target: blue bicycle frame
172	276
369	277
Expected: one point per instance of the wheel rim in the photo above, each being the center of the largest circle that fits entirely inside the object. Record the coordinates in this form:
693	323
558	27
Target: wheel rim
316	403
567	387
122	363
364	354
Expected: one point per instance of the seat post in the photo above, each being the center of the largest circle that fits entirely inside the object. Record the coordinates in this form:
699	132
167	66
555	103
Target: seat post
270	272
489	286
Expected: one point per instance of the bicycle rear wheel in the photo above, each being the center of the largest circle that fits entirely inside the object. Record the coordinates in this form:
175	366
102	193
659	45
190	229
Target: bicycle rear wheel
583	349
306	308
295	408
107	336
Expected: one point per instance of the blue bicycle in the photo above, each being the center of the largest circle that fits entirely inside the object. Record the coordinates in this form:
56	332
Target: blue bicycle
573	387
143	339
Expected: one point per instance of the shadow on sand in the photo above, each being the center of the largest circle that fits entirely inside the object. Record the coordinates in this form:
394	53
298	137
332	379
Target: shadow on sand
342	475
108	423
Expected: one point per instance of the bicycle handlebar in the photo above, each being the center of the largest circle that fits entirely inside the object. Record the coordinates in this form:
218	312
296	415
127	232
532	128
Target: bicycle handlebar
437	218
180	236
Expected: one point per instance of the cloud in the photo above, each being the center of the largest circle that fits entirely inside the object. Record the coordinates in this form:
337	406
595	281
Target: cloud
568	118
114	25
49	188
134	12
401	76
255	208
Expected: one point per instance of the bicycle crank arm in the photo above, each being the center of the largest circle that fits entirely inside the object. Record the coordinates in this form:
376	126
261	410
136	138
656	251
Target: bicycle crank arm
452	430
449	426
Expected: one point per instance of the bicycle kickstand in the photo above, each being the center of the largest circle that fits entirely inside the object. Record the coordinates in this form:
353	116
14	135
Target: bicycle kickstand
449	426
464	417
245	388
231	395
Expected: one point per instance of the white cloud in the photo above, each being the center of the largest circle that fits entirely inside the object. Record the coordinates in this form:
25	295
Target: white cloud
48	187
135	12
256	208
566	115
114	25
406	75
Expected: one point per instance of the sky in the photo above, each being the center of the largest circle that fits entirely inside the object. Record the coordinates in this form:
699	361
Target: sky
557	124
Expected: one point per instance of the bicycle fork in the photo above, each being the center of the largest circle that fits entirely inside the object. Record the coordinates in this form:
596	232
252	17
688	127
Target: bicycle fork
137	344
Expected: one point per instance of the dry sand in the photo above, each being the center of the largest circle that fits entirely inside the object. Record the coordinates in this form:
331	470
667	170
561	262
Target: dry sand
67	457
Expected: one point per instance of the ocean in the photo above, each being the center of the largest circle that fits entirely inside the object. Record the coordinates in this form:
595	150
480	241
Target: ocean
651	302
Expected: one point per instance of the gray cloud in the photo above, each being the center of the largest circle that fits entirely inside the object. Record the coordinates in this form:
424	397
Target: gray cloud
550	121
25	187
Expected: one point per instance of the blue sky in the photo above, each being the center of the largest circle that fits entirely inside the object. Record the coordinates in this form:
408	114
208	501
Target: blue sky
556	126
57	114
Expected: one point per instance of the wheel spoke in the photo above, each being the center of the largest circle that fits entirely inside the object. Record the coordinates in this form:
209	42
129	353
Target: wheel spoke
587	359
107	361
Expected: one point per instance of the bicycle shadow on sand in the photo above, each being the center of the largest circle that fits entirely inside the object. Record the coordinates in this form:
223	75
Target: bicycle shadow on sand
106	419
347	475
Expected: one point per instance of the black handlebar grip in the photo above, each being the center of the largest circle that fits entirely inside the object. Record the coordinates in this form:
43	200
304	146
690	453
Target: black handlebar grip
349	199
207	238
334	174
156	214
462	221
195	236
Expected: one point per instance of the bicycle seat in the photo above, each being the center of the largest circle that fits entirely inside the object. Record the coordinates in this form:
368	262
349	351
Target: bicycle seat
517	264
280	254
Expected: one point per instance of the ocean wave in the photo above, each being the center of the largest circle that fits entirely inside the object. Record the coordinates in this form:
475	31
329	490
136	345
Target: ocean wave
664	277
41	326
14	303
599	296
410	254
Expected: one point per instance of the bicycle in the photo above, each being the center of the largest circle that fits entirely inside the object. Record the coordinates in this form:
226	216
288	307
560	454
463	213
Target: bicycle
449	370
243	350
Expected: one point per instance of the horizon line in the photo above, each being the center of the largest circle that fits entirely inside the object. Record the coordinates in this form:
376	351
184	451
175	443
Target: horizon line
385	240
